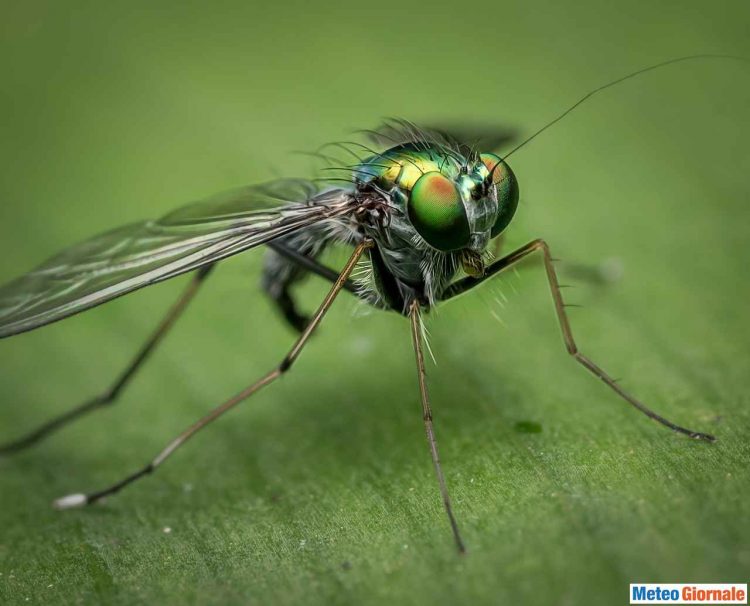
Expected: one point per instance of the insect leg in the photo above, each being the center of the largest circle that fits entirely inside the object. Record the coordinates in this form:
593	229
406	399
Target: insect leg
416	334
597	274
77	500
540	245
110	396
288	262
311	265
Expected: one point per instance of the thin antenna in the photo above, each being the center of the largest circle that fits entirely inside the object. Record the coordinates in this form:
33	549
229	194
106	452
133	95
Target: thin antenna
605	86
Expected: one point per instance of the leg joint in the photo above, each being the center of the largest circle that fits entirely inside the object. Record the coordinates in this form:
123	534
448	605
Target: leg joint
106	399
539	244
285	365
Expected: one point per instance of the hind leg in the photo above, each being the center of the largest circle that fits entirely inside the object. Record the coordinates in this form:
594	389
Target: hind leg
280	273
110	395
288	261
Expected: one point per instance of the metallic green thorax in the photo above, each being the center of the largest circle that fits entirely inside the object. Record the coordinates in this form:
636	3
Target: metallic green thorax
400	167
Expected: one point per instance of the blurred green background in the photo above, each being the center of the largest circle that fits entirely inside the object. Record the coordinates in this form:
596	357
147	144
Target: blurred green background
320	490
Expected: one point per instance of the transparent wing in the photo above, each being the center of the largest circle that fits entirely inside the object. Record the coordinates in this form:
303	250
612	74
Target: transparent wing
466	135
130	257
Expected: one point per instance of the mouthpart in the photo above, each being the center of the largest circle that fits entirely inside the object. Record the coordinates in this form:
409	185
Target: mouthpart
472	263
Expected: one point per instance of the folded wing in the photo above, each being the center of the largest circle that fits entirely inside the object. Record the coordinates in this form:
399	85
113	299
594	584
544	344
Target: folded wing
137	255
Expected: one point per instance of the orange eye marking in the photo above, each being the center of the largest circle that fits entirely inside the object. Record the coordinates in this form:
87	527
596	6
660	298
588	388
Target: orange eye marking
442	188
491	161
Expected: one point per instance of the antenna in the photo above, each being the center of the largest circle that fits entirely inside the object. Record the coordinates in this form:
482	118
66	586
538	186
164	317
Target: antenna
590	94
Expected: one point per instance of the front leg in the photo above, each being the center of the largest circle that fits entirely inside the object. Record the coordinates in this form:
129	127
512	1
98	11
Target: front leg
540	245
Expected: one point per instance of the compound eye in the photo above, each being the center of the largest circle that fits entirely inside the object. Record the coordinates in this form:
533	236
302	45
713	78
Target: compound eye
436	211
498	169
507	191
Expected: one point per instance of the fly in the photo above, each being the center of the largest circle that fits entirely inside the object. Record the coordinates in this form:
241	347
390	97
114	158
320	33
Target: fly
420	214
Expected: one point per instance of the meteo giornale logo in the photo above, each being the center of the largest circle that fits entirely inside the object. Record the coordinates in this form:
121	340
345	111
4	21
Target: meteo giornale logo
688	593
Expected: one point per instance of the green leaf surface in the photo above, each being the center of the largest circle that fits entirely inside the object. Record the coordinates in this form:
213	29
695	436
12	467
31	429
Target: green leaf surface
320	489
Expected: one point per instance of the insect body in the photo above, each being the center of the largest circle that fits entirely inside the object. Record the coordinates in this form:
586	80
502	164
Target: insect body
419	213
430	207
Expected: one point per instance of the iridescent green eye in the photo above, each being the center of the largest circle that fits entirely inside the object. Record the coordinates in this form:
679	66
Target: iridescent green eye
437	212
507	191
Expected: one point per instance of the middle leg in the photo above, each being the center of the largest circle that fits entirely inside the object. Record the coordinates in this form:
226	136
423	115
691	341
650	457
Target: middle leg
416	334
